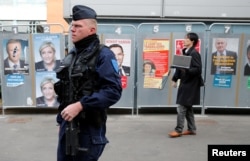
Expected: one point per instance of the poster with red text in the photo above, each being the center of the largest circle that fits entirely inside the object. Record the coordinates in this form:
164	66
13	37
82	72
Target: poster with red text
155	62
122	50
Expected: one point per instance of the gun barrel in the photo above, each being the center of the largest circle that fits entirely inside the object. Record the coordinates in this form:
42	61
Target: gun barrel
72	140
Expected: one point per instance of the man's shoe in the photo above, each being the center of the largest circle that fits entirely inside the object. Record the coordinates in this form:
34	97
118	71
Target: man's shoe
187	132
174	134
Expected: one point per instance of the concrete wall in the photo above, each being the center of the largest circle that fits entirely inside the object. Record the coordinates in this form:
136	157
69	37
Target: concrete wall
207	8
164	8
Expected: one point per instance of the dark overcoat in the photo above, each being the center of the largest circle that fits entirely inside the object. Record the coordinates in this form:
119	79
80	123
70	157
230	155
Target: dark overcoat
189	87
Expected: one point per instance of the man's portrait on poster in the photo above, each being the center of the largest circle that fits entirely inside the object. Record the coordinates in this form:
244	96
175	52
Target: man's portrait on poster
224	57
119	54
16	51
247	65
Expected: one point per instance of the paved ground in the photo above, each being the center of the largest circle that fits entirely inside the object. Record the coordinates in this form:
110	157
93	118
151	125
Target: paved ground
33	137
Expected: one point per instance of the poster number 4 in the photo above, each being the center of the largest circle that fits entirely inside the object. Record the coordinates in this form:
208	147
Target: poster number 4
118	30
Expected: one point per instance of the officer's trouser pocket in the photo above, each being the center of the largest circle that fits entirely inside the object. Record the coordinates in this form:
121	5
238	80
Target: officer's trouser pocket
94	144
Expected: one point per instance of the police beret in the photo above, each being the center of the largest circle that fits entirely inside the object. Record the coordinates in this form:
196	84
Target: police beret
83	12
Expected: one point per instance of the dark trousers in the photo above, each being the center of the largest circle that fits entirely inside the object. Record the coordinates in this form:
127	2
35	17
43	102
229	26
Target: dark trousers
93	153
182	113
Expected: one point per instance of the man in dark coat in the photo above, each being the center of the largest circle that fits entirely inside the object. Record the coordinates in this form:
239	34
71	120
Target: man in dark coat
189	88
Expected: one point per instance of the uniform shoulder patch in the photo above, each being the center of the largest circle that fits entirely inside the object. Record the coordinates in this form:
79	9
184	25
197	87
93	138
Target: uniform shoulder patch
114	64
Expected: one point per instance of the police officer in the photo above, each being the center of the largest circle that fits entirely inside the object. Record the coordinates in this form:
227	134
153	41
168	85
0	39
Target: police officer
92	89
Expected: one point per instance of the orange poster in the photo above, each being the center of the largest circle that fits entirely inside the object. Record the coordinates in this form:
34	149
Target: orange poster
155	62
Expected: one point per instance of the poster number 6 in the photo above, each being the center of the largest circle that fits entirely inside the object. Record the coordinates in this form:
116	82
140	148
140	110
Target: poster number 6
188	28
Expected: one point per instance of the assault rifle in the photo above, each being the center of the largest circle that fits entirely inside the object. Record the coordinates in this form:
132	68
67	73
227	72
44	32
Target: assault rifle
72	128
72	140
65	92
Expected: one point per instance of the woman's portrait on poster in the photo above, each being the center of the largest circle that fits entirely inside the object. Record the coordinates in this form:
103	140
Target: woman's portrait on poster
49	97
49	61
148	68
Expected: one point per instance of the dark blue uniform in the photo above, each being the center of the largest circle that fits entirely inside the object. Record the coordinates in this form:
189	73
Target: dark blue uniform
91	137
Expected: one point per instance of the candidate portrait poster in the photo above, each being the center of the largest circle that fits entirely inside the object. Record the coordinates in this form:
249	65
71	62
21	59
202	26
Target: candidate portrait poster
122	48
47	52
16	56
224	56
155	62
45	93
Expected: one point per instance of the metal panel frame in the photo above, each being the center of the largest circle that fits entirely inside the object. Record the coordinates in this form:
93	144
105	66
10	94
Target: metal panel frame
241	93
160	30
